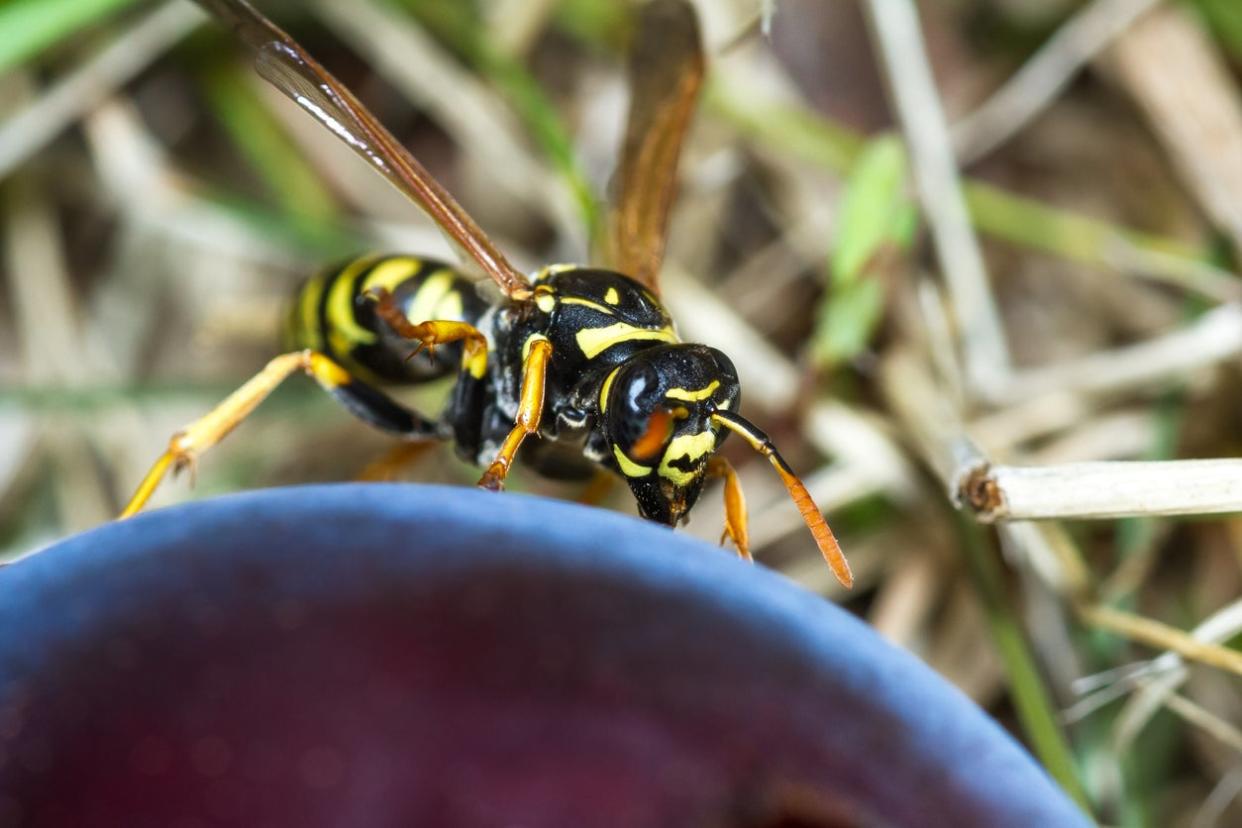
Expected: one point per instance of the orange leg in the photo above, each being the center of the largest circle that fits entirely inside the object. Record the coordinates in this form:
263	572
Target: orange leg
530	411
594	492
735	527
824	539
362	400
393	462
435	332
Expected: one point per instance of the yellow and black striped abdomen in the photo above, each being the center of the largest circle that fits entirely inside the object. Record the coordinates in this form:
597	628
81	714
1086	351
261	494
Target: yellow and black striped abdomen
333	314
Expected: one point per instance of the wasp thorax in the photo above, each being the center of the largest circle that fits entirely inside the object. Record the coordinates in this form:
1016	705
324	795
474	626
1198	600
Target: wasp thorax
657	409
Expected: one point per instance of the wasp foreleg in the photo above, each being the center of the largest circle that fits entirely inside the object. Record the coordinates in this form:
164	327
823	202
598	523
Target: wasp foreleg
530	411
363	401
735	527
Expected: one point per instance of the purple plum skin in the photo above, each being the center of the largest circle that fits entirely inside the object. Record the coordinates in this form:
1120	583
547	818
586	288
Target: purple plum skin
397	655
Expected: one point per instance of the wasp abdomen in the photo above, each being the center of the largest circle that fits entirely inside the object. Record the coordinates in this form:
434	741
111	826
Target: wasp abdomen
334	313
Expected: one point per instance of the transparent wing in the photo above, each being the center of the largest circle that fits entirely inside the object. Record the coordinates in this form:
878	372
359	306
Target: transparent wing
288	67
666	71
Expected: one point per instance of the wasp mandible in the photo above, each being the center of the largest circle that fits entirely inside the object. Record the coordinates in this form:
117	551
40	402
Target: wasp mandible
585	358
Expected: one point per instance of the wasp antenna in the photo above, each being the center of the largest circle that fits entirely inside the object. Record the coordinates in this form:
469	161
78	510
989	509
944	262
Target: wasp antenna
824	538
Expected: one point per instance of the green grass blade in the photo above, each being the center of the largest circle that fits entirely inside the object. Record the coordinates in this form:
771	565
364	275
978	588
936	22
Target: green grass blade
264	144
1023	221
463	32
27	27
1031	699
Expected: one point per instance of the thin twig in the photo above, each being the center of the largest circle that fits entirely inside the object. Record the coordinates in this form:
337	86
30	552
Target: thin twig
1102	490
896	29
1205	720
1045	76
1049	553
26	132
1212	338
907	598
1211	813
1192	102
421	69
50	340
513	25
771	380
1168	672
859	441
1120	435
1156	634
795	130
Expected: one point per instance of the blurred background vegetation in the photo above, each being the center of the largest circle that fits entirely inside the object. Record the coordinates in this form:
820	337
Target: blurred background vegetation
158	204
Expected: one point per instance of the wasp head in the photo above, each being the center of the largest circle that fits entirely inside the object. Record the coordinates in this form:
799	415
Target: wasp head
657	412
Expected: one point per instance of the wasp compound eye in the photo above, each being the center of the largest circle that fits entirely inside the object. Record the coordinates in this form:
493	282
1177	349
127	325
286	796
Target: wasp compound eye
656	435
634	401
640	389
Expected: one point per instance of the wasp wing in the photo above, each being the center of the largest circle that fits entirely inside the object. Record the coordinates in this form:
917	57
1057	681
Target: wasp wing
287	66
666	71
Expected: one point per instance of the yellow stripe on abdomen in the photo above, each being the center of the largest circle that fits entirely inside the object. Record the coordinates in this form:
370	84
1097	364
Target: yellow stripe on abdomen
344	332
389	274
304	330
426	301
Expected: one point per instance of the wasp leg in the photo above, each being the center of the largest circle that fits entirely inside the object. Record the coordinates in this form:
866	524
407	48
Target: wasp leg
435	332
735	527
530	410
362	400
393	462
594	492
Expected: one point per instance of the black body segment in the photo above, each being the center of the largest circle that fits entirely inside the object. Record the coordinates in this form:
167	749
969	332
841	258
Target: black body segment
615	363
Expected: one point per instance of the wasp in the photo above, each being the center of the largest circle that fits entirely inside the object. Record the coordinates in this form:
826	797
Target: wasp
585	358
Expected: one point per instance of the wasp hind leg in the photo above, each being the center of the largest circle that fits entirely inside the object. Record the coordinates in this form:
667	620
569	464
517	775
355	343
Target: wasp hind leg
530	412
363	401
394	462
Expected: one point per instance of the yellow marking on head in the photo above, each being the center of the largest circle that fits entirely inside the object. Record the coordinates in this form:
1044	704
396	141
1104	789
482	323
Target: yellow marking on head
587	303
545	299
612	297
594	341
628	467
345	332
306	332
693	396
530	341
689	446
552	270
605	388
423	304
391	273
